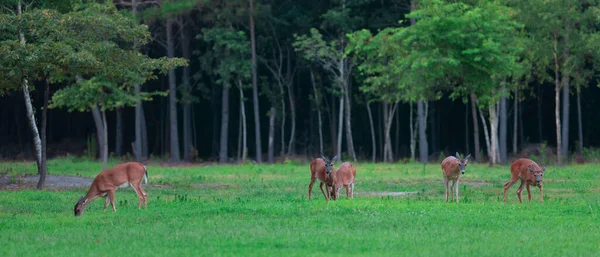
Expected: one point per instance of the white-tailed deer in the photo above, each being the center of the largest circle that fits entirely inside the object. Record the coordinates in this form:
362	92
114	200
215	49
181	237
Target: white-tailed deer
345	175
529	173
321	168
106	183
452	168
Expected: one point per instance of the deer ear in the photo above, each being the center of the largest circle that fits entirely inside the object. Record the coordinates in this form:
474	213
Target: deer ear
334	158
457	155
467	158
543	169
323	157
530	168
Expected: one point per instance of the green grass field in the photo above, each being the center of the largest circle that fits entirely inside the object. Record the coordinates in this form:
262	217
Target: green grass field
264	210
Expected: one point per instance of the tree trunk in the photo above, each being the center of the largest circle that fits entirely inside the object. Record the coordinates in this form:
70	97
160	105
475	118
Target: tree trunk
239	145
486	135
272	114
373	145
318	104
515	121
282	90
565	116
388	126
468	150
138	127
255	87
557	102
503	129
244	129
37	142
187	103
215	122
339	132
475	128
493	133
292	142
423	147
580	124
145	152
99	131
224	124
44	139
397	134
119	132
174	136
413	133
386	117
105	142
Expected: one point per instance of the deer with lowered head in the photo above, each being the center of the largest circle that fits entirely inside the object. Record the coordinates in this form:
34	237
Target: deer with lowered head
529	173
321	168
452	168
106	183
345	175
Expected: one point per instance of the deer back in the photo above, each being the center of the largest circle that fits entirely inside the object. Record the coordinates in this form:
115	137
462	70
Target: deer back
345	174
520	168
317	169
450	166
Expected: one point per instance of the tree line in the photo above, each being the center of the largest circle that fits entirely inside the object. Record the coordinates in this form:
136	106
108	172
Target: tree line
377	77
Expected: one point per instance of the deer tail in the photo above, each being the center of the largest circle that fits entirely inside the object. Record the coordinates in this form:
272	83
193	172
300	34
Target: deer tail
145	175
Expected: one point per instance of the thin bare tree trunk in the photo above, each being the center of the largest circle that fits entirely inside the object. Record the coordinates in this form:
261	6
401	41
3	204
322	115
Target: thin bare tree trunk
339	133
239	145
318	104
475	127
468	150
173	125
44	139
579	122
493	132
557	102
515	121
292	142
386	117
144	134
503	143
105	142
244	129
423	147
349	139
119	132
188	143
138	127
388	127
37	142
271	150
372	131
486	134
255	87
566	96
413	133
99	131
224	124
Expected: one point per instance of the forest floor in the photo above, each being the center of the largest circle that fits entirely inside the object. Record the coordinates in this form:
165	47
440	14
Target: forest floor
263	210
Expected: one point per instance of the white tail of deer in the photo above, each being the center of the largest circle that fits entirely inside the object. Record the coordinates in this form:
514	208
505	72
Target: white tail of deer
322	168
345	176
452	168
106	183
529	173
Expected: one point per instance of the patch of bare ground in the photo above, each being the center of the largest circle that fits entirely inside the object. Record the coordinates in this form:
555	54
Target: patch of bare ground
216	185
386	193
52	181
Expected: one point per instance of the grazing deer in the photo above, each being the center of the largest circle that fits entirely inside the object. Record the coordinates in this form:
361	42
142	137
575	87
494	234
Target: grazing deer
452	168
345	175
529	173
106	183
322	168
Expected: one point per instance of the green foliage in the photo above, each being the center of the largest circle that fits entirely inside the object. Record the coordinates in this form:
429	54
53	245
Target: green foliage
230	54
255	210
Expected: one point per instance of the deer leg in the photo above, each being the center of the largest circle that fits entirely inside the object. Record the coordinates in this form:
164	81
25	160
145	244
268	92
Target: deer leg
507	186
106	203
111	197
322	191
446	183
452	189
528	193
145	194
541	194
140	194
347	191
328	192
457	182
520	190
310	186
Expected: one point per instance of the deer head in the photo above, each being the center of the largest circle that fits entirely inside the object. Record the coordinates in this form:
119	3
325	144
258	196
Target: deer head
537	173
462	163
329	164
80	206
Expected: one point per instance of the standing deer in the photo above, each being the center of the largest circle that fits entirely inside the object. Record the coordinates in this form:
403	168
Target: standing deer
452	168
529	173
345	175
106	183
322	168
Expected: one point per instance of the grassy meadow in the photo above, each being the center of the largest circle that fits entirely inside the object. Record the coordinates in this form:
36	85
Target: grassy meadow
263	210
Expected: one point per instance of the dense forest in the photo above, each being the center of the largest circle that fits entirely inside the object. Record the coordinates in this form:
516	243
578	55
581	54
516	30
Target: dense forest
260	80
